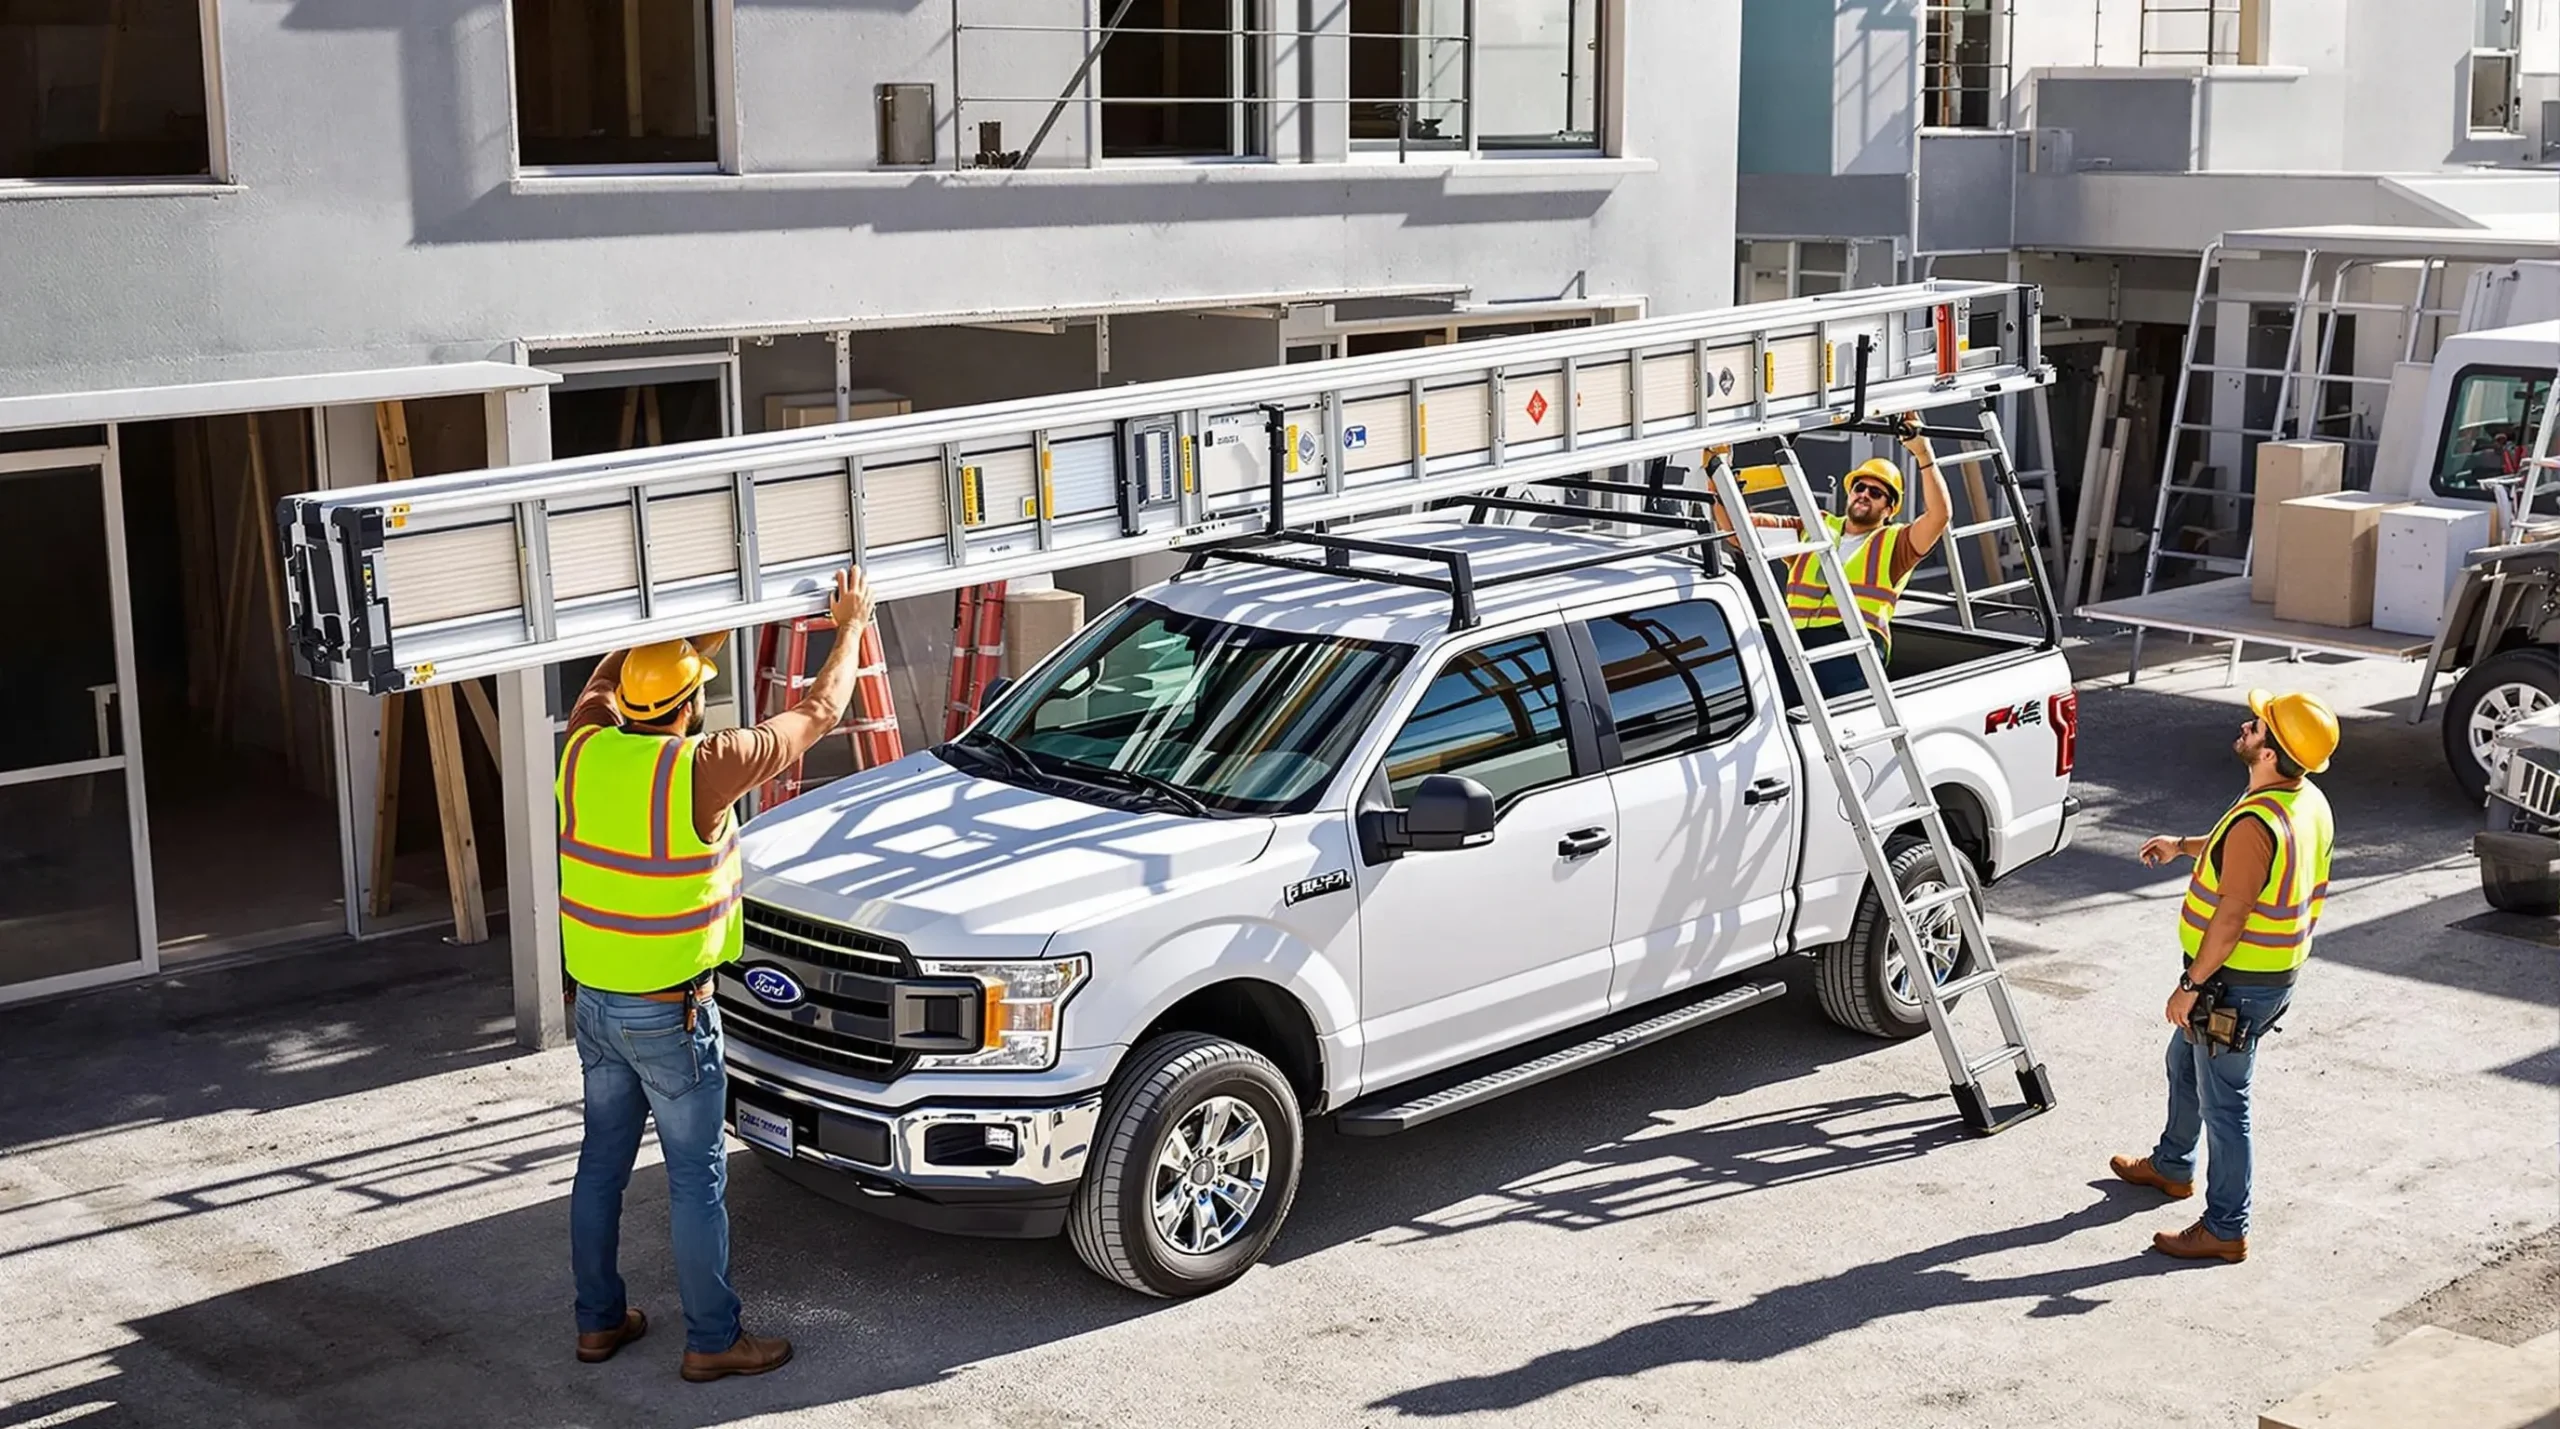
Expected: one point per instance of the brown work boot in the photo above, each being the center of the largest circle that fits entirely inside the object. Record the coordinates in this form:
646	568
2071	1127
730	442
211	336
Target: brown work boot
597	1346
749	1355
2197	1243
2139	1172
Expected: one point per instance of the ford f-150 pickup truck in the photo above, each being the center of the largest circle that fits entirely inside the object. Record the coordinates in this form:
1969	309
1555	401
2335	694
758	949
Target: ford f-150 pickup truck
1258	846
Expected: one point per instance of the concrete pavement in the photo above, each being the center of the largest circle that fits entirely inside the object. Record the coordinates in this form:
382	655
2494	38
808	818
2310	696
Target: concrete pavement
325	1190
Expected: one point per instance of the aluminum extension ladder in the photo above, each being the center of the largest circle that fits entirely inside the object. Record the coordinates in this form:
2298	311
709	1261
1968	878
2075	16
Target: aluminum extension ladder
481	572
1978	968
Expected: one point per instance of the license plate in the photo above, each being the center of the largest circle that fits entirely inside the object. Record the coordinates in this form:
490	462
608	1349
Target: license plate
763	1128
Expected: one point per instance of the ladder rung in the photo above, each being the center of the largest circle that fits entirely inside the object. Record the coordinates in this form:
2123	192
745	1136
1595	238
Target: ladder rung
2220	370
2002	589
1887	823
1948	896
2202	558
1966	458
2352	377
1872	738
2009	1052
1949	991
2268	432
1789	550
1834	652
1984	528
2185	488
2273	300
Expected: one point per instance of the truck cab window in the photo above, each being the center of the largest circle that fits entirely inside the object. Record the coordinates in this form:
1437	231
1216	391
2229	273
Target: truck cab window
2489	429
1494	714
1674	678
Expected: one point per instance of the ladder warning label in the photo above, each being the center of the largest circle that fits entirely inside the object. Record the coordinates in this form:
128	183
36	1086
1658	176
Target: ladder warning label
1537	408
1354	438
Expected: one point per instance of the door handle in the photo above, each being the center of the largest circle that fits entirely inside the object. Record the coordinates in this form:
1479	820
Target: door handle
1582	842
1767	791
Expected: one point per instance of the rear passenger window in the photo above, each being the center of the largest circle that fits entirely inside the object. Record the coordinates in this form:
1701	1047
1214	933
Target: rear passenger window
1674	678
1494	714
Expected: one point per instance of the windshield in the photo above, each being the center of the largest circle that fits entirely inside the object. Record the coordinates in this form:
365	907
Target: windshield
1239	719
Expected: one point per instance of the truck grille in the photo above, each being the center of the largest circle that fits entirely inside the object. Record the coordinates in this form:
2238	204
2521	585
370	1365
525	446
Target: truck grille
849	979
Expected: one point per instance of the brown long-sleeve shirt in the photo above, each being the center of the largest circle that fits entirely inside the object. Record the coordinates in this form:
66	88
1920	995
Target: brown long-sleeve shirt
728	763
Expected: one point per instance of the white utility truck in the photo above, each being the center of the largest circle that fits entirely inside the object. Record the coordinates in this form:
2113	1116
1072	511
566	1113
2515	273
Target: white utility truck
1460	758
2472	428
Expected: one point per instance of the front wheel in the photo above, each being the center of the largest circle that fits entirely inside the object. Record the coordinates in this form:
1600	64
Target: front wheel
1864	980
1195	1165
2490	696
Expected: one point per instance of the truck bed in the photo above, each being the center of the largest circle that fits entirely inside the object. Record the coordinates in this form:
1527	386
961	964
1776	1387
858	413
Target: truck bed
2222	610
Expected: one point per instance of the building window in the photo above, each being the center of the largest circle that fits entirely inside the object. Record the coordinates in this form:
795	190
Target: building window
2204	32
1537	74
1183	79
1674	679
1494	715
1966	81
100	91
617	83
1409	73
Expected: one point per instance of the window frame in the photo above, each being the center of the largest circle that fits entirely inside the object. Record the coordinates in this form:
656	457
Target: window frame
722	33
1608	73
217	137
1998	81
1253	100
1595	677
1582	741
2462	379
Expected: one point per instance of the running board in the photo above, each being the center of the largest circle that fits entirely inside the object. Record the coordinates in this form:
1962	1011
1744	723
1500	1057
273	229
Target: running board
1385	1117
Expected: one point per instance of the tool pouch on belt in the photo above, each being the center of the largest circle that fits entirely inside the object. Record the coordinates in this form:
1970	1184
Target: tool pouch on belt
2222	1028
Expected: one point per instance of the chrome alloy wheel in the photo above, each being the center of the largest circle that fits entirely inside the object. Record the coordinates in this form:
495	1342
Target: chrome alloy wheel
2500	706
1941	941
1209	1177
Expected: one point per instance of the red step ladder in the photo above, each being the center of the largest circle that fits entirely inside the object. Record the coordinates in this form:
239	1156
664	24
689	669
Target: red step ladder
977	649
872	724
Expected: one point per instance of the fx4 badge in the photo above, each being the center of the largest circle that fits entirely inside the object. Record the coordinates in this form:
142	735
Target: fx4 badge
2014	717
1318	886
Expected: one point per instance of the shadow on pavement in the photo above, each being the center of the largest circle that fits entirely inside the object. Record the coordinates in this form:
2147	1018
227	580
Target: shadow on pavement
1795	1316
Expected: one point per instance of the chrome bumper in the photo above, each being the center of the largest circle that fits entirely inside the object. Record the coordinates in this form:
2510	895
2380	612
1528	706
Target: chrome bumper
1049	1143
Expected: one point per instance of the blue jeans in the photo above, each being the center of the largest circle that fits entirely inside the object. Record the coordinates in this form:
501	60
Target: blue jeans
2209	1096
640	1062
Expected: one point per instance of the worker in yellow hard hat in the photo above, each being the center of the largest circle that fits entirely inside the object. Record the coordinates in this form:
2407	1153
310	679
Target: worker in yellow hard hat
648	908
2261	880
1877	553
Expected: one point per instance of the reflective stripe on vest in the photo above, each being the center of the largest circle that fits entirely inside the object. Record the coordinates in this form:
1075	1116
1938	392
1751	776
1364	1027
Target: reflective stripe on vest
2277	936
645	904
1871	582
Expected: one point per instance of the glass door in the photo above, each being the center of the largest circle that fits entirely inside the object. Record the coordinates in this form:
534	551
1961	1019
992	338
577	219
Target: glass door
74	862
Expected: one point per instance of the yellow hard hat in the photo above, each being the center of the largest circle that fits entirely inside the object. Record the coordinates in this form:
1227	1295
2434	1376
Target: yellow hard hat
2302	726
658	679
1883	471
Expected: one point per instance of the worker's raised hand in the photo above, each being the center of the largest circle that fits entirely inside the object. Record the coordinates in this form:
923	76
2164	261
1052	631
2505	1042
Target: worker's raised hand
2161	849
850	606
1913	441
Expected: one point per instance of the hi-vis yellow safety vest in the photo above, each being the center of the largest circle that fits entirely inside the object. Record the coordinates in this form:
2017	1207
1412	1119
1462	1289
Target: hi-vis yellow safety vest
2277	937
645	904
1872	584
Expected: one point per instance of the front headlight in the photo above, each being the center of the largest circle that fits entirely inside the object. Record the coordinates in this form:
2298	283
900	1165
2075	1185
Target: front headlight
1024	1002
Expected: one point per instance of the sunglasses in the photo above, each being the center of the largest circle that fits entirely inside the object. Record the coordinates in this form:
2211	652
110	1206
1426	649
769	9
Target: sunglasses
1874	489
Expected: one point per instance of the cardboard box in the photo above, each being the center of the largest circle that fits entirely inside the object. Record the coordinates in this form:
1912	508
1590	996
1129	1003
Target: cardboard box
2418	560
2325	576
2287	470
1037	622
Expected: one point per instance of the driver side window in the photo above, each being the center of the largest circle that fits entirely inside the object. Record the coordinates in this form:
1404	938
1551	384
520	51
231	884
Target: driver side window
1494	714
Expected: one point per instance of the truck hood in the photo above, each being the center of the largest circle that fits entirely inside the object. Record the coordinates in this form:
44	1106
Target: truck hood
953	865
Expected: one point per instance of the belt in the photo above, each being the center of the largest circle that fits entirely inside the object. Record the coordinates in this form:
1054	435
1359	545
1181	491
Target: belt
699	989
2244	977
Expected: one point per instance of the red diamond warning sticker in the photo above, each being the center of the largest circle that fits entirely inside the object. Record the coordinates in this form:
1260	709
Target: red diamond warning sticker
1537	407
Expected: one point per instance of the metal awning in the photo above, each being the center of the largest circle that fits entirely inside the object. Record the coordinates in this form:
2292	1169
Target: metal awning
266	394
2374	240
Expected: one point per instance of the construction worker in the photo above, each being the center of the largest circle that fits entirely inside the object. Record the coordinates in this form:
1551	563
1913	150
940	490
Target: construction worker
648	907
1876	553
2260	882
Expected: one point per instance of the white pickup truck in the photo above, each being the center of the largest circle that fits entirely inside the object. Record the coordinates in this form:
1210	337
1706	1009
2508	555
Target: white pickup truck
1263	845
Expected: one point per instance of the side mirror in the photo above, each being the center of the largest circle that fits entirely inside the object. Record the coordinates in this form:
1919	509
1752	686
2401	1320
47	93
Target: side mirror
995	691
1448	812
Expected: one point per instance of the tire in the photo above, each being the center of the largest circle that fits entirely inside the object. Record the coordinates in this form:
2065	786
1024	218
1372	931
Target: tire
1853	976
1170	1084
2512	889
2490	695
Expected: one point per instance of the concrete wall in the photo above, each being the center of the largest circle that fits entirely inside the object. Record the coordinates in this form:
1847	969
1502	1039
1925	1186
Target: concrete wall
376	217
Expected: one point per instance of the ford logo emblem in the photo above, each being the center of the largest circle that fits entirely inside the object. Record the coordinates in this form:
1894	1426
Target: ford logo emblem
775	987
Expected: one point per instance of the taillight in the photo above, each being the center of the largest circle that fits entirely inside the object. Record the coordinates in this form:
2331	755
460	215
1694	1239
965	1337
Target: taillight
2065	711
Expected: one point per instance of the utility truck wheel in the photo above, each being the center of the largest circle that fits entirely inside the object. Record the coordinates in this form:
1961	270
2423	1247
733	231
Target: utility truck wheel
1864	980
1194	1165
2490	696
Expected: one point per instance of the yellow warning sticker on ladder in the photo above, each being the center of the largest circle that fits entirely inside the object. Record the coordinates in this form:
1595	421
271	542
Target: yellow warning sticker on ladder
399	515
